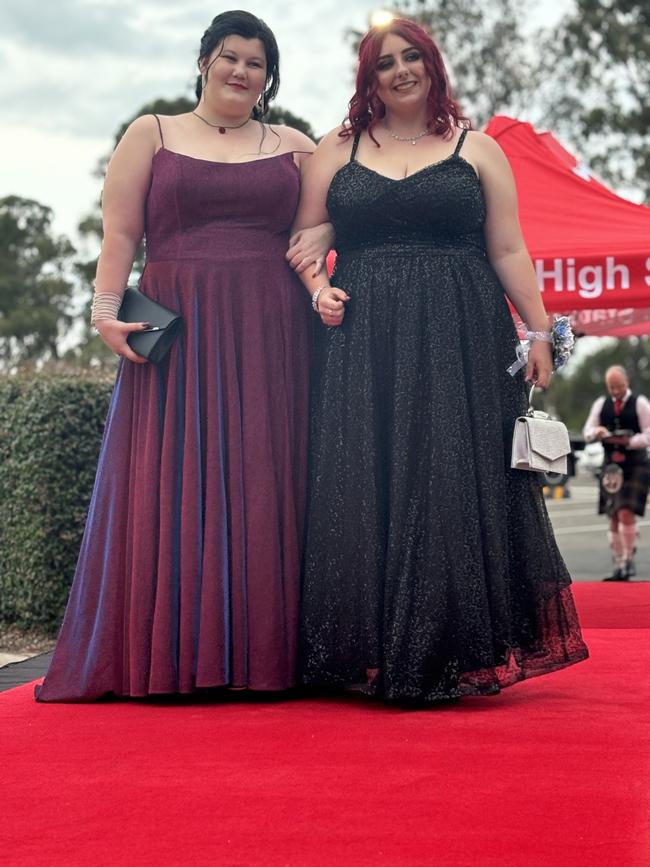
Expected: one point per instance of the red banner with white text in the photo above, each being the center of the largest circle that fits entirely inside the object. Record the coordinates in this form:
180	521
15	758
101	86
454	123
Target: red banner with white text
590	247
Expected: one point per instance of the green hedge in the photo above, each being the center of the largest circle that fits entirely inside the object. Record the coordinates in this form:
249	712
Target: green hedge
50	434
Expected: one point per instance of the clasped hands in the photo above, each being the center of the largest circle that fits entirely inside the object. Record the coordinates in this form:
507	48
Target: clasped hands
331	305
310	247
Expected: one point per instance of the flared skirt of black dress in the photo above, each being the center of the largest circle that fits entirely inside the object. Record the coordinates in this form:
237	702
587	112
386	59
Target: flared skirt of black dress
431	570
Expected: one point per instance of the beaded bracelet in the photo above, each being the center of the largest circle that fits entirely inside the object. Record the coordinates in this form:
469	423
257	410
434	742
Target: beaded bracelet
105	306
545	336
315	296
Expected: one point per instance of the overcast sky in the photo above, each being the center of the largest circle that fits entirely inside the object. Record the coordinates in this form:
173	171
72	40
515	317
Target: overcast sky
73	70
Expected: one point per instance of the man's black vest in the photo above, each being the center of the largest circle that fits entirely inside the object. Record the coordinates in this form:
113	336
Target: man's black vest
627	420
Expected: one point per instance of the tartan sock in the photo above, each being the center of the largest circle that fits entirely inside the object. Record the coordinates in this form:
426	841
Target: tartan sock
627	532
616	544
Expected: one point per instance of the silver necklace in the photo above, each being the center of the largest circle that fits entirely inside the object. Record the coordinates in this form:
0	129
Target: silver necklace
412	138
222	127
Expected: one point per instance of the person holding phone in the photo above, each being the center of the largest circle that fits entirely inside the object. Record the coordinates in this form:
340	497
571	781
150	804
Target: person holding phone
621	421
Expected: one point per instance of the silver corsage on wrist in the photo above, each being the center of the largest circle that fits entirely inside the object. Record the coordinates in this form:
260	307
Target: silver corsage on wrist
560	337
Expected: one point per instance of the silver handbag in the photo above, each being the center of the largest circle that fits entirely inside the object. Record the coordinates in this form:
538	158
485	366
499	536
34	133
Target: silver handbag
540	443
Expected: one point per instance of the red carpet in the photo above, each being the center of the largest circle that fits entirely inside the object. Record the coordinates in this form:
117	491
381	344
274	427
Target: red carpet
552	772
612	605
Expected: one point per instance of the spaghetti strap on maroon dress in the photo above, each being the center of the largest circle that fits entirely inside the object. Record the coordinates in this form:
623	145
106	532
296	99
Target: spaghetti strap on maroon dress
188	574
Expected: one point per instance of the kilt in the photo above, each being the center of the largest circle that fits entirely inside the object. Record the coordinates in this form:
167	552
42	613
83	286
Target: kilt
632	495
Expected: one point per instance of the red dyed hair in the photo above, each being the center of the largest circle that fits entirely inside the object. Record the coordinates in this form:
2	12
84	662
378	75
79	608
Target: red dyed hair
365	109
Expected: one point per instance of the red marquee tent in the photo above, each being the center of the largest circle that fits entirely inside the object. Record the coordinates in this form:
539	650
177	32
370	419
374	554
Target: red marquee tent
590	247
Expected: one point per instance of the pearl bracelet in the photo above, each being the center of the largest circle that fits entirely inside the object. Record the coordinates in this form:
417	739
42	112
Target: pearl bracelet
105	305
544	336
315	296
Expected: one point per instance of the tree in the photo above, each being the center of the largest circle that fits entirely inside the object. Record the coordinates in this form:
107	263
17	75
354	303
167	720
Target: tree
598	81
36	288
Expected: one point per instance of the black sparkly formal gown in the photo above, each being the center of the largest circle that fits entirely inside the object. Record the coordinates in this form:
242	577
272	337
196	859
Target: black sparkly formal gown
431	570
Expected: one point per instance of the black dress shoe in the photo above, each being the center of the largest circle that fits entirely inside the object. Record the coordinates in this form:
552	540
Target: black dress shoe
621	574
616	575
628	570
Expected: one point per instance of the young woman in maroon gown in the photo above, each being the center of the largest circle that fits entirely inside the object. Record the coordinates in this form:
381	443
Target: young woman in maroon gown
189	568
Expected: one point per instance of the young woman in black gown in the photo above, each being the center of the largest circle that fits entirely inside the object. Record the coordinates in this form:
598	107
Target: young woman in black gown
431	571
189	572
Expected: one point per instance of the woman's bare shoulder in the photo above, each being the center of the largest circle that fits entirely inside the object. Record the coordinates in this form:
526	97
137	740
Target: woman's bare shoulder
334	149
142	126
484	153
150	125
292	139
141	136
482	143
340	137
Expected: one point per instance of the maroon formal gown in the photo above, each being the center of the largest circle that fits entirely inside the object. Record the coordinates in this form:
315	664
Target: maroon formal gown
188	574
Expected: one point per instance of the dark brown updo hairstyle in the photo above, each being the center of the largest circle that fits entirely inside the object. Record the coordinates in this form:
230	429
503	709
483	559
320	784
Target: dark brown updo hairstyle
239	23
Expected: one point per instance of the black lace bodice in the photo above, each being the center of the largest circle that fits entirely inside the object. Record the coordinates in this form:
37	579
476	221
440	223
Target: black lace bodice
441	205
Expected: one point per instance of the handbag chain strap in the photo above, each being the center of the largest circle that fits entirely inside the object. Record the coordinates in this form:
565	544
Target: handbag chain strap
531	409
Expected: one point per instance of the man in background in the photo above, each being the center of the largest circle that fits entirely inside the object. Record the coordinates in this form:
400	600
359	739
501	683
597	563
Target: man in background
621	421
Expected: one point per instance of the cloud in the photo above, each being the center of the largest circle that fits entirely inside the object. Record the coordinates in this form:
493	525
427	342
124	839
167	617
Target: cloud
84	66
72	26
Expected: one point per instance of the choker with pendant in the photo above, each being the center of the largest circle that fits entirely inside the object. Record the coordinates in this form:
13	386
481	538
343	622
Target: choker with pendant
222	127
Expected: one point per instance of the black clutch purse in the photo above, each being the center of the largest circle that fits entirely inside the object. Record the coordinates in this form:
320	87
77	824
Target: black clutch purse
154	343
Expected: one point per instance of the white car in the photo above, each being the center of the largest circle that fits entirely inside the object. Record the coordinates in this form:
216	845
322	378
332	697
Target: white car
590	459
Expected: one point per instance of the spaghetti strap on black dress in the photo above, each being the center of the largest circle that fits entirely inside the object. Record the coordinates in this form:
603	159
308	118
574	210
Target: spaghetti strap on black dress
431	570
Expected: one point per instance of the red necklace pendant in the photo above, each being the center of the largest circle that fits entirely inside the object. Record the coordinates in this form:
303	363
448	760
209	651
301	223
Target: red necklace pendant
222	130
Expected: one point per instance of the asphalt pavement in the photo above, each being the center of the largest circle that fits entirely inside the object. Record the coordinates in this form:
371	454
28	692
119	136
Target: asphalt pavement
582	534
